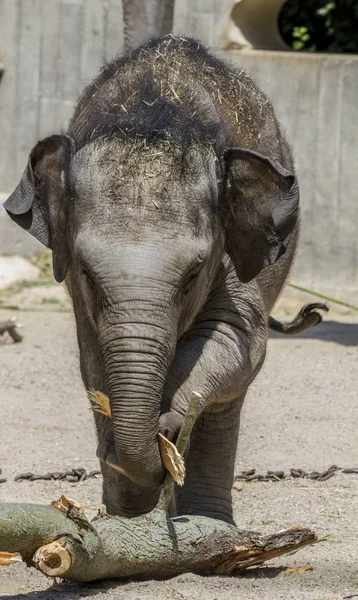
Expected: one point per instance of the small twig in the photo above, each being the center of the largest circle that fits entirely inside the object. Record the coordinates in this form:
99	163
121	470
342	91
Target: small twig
10	328
188	422
182	441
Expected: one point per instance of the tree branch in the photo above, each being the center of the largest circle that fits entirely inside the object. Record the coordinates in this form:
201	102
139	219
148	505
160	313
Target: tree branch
60	541
181	444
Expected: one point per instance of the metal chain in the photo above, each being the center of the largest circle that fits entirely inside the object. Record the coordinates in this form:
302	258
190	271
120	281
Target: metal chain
293	474
74	475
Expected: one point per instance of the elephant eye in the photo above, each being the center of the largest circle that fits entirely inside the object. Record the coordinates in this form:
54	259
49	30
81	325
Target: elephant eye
88	276
190	279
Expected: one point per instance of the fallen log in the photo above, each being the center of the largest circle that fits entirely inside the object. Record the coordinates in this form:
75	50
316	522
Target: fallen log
60	542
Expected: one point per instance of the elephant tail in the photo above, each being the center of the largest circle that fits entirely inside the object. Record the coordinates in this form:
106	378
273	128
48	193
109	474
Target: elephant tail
306	318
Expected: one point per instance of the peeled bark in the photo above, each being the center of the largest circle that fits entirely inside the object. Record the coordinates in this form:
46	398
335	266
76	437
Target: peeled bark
62	543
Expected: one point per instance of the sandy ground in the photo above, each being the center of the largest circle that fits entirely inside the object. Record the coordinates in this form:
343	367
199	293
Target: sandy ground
302	411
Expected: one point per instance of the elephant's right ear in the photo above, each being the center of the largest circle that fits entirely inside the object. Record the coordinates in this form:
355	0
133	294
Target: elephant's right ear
38	203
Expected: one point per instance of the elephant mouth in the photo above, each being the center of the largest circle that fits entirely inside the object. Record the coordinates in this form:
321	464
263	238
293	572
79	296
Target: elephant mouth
107	454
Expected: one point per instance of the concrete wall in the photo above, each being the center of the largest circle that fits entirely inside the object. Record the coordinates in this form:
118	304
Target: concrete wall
52	48
315	97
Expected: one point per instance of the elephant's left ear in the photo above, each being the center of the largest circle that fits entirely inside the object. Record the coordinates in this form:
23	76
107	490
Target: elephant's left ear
38	202
261	210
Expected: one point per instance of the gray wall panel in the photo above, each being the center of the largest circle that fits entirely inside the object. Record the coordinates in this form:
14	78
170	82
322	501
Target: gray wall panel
9	49
113	28
27	79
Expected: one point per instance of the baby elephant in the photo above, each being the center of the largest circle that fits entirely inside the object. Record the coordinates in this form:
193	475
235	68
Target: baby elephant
171	208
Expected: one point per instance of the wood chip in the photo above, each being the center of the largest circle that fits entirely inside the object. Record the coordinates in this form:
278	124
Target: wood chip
9	558
238	486
172	460
65	504
249	472
298	569
100	403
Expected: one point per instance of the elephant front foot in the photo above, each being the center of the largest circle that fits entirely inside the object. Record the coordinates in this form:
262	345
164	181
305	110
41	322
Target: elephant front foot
203	503
210	464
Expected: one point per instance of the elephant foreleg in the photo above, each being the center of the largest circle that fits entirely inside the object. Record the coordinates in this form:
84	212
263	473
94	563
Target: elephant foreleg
210	463
218	358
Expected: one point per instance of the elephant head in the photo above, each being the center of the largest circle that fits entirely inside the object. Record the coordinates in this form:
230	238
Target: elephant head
141	230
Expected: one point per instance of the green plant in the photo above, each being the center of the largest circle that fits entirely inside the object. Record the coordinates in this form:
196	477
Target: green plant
320	26
302	36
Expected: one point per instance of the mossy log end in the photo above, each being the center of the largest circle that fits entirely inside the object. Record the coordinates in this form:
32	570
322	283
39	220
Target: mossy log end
61	542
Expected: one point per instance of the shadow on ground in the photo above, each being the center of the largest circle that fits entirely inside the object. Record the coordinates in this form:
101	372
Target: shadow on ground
327	331
264	572
71	591
67	591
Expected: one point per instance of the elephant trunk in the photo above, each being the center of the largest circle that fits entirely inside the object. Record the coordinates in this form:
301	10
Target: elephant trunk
143	20
137	356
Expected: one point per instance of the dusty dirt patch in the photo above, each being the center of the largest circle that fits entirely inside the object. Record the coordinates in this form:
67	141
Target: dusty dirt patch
301	412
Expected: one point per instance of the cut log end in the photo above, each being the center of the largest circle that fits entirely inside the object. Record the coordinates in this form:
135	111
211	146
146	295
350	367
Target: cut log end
53	559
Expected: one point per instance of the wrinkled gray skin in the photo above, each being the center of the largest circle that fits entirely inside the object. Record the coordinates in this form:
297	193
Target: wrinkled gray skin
171	209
